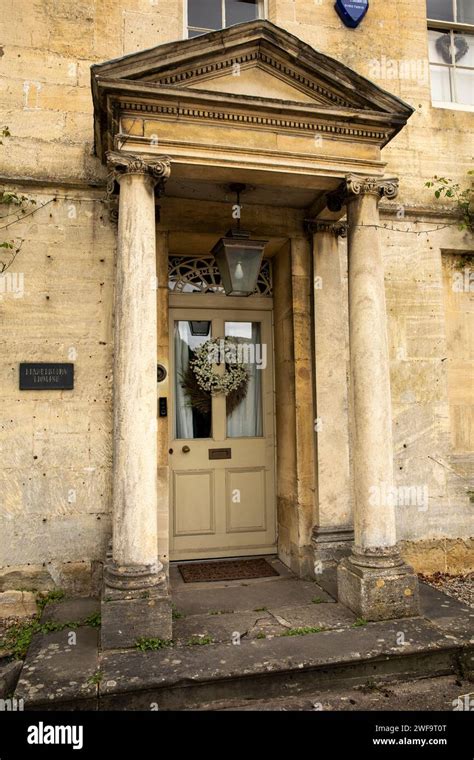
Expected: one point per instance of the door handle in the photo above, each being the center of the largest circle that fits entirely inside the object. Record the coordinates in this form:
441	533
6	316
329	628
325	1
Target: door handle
185	449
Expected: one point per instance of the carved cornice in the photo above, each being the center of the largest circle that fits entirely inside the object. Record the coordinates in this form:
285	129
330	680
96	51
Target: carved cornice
355	186
261	120
313	227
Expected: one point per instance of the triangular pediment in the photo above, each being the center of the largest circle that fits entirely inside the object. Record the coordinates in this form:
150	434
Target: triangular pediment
258	81
255	66
257	59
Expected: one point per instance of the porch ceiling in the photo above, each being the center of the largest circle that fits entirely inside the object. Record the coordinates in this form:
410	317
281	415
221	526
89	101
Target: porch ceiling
255	195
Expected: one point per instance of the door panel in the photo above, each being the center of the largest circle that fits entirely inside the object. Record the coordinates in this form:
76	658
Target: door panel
222	506
246	502
195	495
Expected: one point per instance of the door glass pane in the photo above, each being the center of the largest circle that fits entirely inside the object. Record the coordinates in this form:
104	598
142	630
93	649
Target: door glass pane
244	405
206	14
193	406
238	11
465	12
440	84
465	86
440	9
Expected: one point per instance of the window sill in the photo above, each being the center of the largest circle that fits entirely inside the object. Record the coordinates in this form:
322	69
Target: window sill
452	106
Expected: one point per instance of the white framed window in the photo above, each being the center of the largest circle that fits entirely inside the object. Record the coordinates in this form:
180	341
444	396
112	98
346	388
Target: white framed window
208	15
451	52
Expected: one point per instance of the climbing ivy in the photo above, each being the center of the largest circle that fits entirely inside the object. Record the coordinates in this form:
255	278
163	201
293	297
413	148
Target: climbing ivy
463	198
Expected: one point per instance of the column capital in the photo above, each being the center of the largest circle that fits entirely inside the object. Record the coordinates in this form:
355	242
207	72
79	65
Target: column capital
120	164
355	185
314	226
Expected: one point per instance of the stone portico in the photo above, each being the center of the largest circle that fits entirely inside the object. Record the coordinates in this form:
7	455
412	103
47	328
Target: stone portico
253	104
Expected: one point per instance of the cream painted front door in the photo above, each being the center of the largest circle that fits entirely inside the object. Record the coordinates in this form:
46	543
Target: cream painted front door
222	449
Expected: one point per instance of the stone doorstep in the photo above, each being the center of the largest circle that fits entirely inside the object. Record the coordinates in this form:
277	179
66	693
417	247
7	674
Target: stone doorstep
181	677
57	671
58	676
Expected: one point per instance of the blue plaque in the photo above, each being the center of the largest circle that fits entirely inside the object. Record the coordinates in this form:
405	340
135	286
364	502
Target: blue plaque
352	11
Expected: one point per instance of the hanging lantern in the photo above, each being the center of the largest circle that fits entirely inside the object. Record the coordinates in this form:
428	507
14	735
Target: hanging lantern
238	257
200	328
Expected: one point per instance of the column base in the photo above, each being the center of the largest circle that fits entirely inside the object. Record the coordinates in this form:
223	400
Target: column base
136	606
331	544
378	586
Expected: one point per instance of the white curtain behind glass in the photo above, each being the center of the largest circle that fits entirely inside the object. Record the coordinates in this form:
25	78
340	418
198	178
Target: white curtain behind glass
246	420
184	415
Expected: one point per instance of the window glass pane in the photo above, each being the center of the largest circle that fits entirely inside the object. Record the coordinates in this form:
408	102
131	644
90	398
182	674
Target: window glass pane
193	406
238	11
244	405
440	84
464	49
465	86
465	11
440	9
439	45
207	14
196	32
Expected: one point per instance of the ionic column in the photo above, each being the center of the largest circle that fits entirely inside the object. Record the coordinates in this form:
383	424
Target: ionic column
136	602
374	581
333	532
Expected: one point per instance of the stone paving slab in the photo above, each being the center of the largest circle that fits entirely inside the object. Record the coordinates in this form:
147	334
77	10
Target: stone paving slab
314	615
274	622
448	614
70	610
222	627
435	604
57	671
137	677
247	597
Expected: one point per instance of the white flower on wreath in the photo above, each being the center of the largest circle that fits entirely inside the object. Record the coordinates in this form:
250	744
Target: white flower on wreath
203	367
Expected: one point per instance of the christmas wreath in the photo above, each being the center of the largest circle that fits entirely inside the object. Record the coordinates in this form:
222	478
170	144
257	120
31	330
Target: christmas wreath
201	381
443	46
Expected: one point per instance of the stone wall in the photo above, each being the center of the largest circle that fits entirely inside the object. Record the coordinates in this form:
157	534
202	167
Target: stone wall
55	477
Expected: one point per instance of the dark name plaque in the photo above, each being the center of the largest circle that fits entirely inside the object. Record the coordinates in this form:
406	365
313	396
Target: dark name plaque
39	376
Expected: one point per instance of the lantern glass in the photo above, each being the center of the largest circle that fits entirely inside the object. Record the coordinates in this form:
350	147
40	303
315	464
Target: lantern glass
239	260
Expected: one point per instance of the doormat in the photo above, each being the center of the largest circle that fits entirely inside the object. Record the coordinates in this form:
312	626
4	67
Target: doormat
226	570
